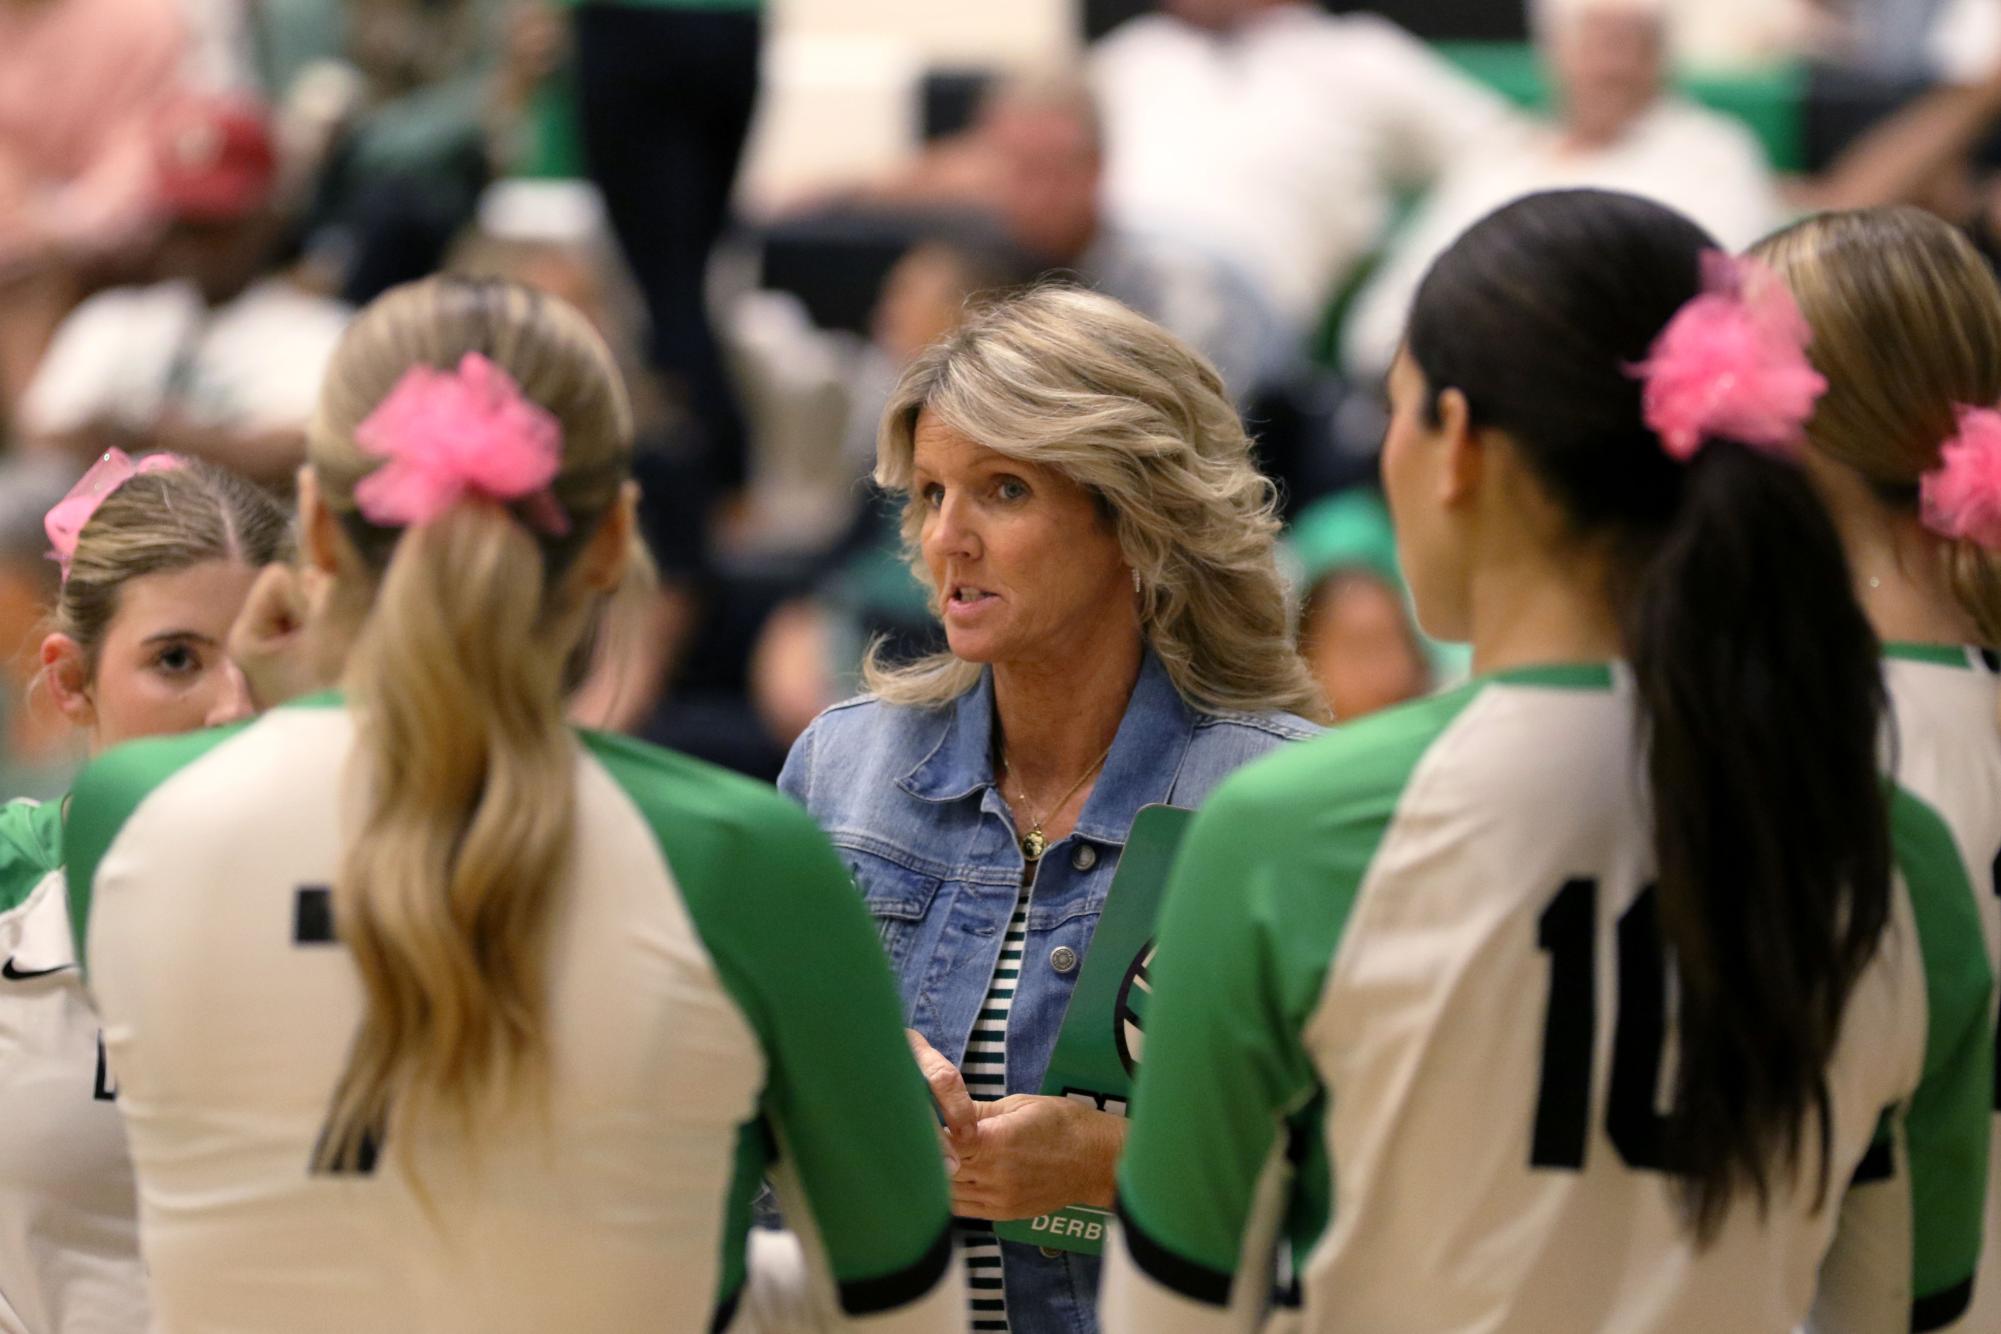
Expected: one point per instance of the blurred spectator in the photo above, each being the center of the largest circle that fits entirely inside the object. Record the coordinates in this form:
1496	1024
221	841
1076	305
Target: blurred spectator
552	236
1616	127
809	652
1963	40
79	80
1277	133
400	112
666	89
1924	153
1356	630
39	750
1721	35
218	355
1034	159
924	297
1891	39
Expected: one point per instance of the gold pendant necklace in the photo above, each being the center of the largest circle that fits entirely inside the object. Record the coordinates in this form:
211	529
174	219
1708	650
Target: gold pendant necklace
1033	843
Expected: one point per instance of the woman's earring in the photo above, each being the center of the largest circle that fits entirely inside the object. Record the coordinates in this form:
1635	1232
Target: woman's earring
1136	587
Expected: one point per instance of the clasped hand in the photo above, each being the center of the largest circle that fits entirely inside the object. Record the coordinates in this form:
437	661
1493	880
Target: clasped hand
1023	1155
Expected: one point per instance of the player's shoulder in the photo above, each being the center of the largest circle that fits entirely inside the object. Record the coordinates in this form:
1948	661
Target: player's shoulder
115	783
1928	858
1371	755
683	798
1944	901
746	861
1492	739
30	848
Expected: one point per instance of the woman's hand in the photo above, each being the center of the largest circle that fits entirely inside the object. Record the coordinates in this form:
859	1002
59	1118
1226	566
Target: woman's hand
948	1091
1036	1154
277	639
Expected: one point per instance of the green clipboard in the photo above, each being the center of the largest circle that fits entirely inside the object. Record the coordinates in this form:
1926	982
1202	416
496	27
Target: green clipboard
1098	1050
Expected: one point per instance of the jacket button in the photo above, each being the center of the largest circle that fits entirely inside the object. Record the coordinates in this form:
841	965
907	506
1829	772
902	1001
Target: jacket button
1050	1252
1085	857
1063	959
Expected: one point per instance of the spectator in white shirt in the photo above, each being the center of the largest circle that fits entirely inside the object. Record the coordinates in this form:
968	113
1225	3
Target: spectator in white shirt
221	356
1616	127
1276	133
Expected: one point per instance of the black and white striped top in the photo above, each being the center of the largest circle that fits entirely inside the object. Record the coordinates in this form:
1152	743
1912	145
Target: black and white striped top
985	1072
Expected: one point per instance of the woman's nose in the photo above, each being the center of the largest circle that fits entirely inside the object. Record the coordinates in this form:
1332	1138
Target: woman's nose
952	532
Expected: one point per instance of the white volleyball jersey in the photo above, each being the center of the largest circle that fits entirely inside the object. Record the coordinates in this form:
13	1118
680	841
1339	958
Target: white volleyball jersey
717	1009
1947	750
1411	1030
69	1221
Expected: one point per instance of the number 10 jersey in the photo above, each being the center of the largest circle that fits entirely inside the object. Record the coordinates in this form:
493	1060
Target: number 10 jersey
1412	1033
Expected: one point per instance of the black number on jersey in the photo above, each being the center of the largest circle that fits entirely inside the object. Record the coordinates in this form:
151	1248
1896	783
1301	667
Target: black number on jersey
1567	931
106	1088
313	926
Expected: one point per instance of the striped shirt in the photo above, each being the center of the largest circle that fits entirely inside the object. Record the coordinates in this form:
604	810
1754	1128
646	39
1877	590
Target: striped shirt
985	1072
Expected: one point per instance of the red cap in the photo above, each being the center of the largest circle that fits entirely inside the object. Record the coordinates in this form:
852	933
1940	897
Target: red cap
213	159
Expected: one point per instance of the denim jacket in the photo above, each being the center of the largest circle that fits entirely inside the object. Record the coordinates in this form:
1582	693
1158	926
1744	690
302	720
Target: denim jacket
907	796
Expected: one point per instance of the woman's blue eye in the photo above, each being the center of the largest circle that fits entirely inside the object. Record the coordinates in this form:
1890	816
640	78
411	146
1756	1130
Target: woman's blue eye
932	495
1009	488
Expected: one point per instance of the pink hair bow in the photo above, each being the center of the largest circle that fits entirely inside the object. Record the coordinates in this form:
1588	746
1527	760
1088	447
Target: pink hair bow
451	434
65	522
1961	498
1732	363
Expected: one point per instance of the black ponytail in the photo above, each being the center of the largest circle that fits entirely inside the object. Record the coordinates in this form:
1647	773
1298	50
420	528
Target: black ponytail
1758	675
1762	695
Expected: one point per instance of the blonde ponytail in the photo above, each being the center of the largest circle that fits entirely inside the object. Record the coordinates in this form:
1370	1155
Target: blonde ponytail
449	882
444	894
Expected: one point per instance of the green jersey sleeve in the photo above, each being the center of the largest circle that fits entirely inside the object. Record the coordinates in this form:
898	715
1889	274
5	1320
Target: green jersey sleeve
847	1135
1945	1128
1254	914
106	795
31	846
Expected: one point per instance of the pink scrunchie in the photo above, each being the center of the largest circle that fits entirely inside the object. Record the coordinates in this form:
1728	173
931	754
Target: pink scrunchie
1961	498
452	434
1732	364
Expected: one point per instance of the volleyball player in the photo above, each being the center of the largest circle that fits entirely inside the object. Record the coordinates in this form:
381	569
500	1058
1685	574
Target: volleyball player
1905	448
1574	999
430	1014
156	559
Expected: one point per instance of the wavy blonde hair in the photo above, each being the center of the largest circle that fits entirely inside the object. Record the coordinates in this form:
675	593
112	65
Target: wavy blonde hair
445	889
1075	382
1906	320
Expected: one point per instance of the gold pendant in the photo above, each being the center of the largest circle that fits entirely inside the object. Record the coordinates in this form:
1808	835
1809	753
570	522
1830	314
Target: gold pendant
1033	844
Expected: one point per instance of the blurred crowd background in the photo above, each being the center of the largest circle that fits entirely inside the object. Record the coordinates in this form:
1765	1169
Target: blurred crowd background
768	206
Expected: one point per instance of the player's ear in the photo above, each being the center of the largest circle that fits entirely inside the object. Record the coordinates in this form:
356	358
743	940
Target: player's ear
66	676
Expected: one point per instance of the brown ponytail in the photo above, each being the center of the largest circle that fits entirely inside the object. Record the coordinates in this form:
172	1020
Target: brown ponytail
1906	321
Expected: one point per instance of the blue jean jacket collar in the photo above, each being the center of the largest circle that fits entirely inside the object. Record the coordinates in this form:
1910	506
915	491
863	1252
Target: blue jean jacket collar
1145	759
